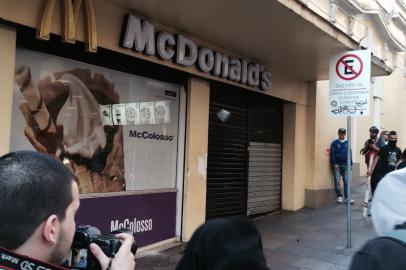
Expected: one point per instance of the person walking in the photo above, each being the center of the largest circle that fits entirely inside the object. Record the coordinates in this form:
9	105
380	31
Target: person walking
370	151
386	161
338	161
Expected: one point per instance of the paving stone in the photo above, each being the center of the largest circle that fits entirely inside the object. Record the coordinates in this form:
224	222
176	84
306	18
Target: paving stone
282	257
312	264
307	239
272	244
320	236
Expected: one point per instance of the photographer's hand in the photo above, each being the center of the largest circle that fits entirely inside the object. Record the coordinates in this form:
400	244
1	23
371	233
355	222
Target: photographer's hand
123	260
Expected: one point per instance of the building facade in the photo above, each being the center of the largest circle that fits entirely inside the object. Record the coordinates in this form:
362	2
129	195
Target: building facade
174	113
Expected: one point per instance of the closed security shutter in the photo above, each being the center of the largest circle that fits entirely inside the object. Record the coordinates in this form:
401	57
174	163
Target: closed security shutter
264	177
265	156
244	153
227	156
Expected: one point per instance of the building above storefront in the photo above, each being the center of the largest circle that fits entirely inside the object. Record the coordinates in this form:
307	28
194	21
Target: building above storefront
284	35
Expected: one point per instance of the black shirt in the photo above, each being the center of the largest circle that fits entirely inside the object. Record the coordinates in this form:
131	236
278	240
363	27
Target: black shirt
388	158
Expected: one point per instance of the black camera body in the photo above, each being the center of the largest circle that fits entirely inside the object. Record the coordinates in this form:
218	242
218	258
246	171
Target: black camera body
82	258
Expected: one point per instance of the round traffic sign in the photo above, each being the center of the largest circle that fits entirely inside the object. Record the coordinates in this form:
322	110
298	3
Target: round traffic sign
349	67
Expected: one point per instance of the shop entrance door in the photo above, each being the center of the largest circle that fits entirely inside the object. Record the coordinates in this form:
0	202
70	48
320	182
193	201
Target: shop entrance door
244	153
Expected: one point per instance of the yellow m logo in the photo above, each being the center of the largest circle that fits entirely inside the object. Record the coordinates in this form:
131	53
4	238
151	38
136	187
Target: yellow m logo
70	24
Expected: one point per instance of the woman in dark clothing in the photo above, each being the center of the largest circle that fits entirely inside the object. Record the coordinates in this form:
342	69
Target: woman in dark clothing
225	244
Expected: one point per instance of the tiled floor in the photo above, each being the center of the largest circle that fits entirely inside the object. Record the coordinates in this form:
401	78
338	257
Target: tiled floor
308	239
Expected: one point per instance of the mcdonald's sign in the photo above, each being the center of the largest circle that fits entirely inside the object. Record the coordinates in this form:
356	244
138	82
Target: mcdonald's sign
71	14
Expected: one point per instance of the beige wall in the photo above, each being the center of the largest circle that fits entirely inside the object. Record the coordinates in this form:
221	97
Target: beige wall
7	56
294	160
194	203
325	132
393	103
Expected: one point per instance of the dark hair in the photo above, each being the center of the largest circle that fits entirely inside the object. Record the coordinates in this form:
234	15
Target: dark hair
374	129
342	130
224	243
392	132
33	186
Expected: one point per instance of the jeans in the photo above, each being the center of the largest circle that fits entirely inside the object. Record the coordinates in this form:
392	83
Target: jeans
340	171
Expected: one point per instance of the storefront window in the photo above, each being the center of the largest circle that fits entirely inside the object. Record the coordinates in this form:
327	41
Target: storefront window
118	132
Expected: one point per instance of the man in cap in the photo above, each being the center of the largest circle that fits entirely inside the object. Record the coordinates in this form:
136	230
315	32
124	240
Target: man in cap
338	161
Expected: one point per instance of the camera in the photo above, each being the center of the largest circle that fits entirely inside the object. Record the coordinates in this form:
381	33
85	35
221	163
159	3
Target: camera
80	257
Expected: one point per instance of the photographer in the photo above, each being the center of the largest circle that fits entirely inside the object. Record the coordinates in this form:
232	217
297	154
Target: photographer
371	146
39	197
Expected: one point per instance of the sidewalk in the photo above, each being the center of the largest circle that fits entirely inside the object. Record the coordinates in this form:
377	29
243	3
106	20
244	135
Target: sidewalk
307	239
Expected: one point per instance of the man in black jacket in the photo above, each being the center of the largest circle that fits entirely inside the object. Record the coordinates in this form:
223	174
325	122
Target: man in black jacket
386	161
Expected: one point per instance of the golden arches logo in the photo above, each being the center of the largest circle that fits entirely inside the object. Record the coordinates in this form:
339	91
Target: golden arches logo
71	14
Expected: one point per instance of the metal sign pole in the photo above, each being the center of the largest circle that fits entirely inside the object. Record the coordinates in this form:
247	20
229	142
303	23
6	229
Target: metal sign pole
349	176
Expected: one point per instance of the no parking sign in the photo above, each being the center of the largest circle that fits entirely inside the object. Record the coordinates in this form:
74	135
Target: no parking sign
350	81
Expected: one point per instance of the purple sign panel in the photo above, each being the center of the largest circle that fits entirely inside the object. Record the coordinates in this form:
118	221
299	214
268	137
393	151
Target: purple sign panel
152	217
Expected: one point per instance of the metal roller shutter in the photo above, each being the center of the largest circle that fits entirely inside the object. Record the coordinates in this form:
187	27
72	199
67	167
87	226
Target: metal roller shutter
241	182
264	177
227	162
265	156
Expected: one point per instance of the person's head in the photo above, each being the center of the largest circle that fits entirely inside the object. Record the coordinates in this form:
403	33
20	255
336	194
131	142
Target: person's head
341	133
389	204
38	201
392	138
222	244
384	135
373	132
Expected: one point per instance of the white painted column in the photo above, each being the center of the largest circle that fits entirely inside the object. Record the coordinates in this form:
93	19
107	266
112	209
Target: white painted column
377	100
7	65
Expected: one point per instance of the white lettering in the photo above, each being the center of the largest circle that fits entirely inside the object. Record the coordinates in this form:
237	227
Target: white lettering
138	37
206	59
253	75
186	46
221	65
135	225
266	80
26	265
164	51
235	69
